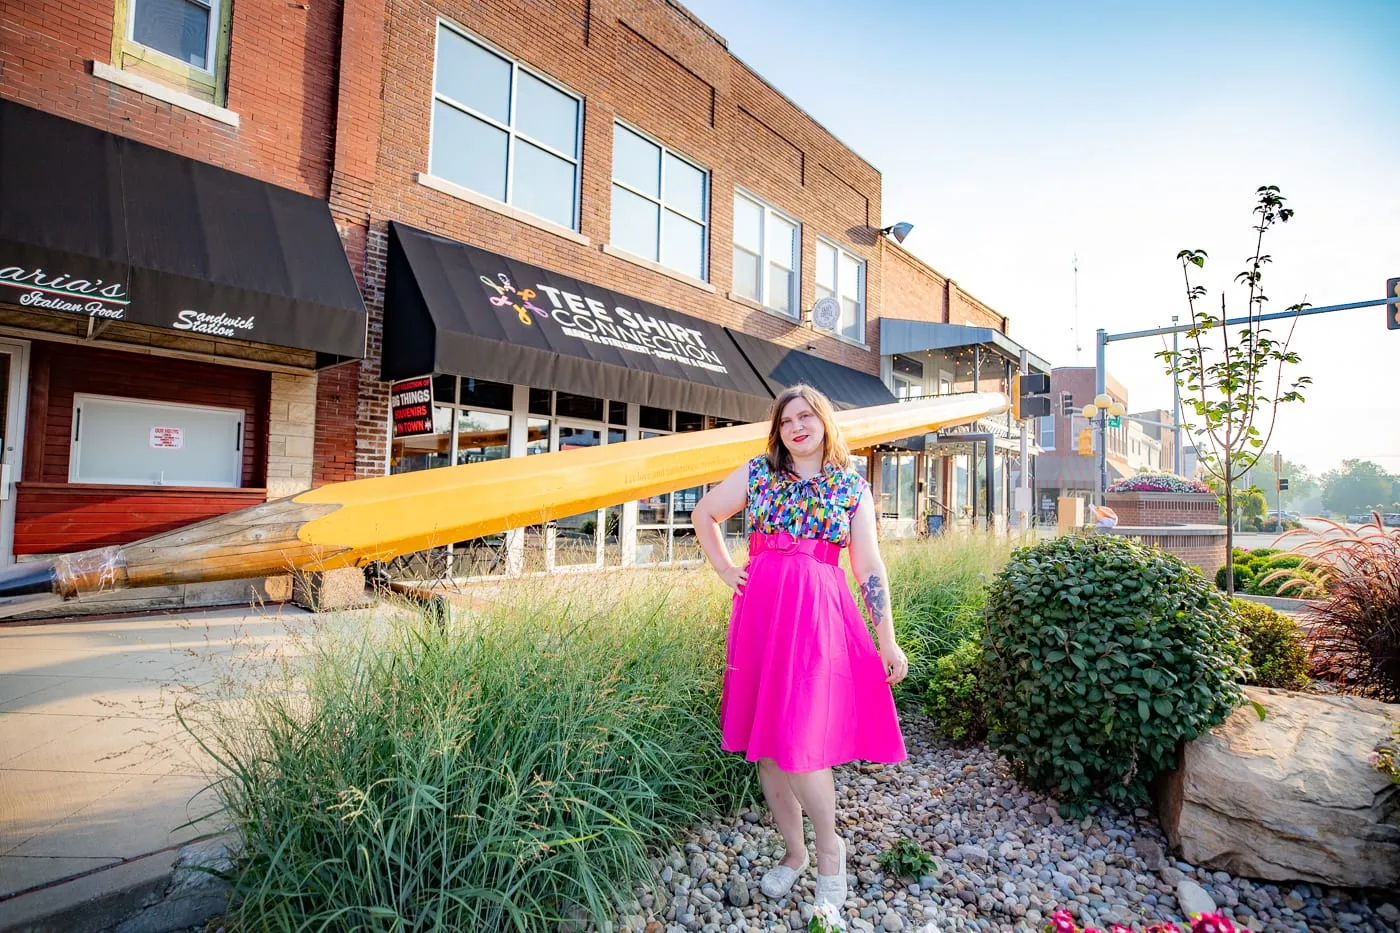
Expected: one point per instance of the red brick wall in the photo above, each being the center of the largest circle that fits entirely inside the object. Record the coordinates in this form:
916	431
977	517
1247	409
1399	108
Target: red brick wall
282	63
336	406
1204	552
915	291
1137	509
654	66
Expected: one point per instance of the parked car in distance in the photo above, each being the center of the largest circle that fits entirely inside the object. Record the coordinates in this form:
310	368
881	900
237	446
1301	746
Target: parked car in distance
1391	519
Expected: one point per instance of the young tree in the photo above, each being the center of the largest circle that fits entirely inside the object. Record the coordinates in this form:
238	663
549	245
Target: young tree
1235	387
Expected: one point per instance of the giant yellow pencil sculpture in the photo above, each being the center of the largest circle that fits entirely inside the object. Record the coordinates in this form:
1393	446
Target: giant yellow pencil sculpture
351	524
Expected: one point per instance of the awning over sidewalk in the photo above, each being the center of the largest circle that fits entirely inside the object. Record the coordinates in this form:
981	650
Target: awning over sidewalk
454	308
781	367
901	336
96	225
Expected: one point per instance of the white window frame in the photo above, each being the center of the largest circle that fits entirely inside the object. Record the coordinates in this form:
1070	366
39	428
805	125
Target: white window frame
211	46
764	291
663	207
75	448
836	286
1047	432
907	387
512	134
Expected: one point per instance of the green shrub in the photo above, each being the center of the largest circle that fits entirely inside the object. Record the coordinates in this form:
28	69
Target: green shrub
955	701
1103	654
1283	581
496	773
1273	646
1284	561
1259	552
938	588
1243	575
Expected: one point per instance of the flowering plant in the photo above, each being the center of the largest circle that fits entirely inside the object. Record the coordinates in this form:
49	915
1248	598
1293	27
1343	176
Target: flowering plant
1158	482
1062	922
826	919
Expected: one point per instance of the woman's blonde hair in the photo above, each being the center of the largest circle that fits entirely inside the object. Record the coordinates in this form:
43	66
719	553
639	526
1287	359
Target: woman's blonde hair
834	450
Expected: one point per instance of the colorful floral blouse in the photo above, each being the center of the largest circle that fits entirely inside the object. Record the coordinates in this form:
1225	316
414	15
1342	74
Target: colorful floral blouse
820	507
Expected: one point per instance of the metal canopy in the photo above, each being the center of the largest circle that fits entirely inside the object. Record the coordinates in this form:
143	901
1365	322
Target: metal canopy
901	336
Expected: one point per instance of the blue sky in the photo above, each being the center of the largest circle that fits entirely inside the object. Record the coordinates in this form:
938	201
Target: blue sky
1015	135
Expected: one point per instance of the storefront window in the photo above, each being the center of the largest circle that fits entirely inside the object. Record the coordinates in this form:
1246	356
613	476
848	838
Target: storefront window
655	419
689	421
136	442
583	407
478	393
427	451
897	486
481	436
541	402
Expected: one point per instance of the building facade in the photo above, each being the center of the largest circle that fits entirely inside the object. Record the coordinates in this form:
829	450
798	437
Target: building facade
552	226
1068	465
179	325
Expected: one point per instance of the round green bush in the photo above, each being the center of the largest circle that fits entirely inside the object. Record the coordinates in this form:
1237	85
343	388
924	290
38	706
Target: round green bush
1103	654
1243	574
955	700
1273	646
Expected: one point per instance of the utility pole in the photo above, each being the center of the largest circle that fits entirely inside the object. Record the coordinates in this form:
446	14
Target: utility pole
1177	459
1100	387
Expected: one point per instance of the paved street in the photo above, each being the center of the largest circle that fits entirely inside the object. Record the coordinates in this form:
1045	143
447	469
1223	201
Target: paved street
97	777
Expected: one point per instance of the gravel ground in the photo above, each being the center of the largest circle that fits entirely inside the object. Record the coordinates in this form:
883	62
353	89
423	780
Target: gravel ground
1005	861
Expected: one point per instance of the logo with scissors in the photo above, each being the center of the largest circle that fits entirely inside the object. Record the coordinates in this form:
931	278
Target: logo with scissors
508	296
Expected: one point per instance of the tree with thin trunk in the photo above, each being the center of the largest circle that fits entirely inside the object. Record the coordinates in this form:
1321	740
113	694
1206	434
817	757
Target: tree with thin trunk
1234	387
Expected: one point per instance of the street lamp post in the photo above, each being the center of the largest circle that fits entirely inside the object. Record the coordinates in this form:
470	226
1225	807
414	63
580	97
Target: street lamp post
1098	412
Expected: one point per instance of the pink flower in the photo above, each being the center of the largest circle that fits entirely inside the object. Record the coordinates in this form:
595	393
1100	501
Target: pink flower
1061	922
1119	928
1211	923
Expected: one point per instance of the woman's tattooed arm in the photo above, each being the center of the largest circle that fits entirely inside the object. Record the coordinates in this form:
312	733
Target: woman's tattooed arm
876	597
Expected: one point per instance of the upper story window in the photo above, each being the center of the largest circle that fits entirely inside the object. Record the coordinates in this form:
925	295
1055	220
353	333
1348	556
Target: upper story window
660	202
504	131
182	43
766	246
1047	432
841	275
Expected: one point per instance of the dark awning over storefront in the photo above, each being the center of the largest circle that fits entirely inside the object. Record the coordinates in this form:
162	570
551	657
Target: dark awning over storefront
781	367
453	308
99	226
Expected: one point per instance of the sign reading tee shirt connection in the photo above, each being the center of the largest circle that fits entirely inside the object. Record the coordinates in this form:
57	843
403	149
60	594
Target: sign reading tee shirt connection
454	308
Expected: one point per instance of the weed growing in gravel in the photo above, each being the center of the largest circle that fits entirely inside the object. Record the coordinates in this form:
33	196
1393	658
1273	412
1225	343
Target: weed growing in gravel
905	859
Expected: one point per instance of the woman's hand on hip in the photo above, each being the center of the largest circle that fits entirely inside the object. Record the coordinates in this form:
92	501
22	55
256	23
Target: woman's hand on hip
896	664
735	577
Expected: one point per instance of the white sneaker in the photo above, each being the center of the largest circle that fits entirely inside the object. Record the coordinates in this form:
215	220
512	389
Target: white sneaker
831	889
778	881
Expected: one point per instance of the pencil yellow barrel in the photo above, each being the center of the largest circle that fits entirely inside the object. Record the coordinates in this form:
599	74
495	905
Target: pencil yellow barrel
353	523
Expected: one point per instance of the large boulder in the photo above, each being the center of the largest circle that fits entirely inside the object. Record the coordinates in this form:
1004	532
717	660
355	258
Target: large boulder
1292	797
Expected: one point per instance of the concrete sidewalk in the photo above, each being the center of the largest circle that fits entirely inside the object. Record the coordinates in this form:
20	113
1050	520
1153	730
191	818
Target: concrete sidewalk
97	776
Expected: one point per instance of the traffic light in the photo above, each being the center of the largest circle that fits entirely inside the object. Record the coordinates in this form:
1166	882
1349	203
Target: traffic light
1282	484
1392	311
1086	442
1028	396
1067	404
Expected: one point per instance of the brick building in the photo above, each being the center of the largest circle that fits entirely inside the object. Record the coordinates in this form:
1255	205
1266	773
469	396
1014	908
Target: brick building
571	225
178	322
1066	469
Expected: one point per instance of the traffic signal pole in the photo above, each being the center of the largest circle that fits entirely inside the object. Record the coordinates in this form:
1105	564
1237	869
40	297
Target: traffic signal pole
1023	495
1104	338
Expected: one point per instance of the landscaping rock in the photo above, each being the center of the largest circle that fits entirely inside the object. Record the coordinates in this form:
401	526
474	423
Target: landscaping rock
1292	797
1193	899
196	893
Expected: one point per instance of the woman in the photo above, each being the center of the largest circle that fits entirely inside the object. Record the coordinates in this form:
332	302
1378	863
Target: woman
805	688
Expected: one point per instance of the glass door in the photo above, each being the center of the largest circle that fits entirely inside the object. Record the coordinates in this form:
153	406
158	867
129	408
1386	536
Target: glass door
577	541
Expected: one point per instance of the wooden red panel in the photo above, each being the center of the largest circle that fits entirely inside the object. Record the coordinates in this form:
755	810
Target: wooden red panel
60	370
55	518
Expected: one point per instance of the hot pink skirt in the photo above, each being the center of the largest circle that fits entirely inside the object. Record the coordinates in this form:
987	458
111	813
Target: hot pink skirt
804	684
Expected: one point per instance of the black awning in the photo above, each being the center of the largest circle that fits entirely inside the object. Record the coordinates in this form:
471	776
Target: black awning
781	367
453	308
99	226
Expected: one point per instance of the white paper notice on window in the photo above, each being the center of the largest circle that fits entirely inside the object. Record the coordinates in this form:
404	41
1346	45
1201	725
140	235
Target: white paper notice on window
167	438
